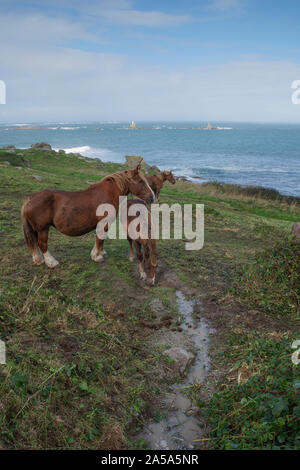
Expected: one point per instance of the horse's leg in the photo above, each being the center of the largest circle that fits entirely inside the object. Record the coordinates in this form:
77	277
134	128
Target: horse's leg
37	256
140	257
131	255
50	261
98	252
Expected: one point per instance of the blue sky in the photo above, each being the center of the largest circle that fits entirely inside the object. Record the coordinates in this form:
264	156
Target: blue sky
159	60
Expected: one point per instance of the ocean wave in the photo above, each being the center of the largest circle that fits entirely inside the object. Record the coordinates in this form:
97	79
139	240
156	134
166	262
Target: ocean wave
240	169
92	152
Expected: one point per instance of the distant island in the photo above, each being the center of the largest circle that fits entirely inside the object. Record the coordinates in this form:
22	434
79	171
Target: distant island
209	127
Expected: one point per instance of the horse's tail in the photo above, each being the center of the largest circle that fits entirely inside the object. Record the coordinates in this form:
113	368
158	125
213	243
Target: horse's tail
29	233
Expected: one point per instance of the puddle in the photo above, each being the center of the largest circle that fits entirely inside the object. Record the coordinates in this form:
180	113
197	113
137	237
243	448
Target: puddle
181	429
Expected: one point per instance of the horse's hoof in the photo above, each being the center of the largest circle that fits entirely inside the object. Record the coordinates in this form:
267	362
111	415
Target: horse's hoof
50	261
52	264
97	259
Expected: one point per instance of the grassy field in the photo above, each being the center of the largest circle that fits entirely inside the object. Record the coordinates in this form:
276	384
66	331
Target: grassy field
81	370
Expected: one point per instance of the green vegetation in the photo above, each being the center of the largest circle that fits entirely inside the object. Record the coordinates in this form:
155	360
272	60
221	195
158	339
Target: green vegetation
262	409
81	369
272	280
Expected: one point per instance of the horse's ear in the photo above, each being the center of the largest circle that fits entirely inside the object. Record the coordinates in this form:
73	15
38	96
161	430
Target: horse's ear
138	168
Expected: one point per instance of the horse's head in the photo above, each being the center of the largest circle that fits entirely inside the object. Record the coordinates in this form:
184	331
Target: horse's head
168	176
138	185
150	261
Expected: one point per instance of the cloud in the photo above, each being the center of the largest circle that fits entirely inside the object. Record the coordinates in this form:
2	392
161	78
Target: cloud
145	18
47	80
225	5
35	30
78	85
120	12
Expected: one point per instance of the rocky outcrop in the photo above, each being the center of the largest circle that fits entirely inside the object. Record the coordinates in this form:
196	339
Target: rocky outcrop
10	149
133	160
39	178
42	146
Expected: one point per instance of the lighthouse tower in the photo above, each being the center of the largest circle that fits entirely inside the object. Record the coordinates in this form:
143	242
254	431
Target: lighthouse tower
132	125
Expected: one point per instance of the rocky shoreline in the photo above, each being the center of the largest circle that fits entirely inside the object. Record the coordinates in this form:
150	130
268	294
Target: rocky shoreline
133	160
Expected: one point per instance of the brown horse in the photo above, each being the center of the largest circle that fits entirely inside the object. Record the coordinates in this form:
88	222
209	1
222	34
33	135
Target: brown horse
74	213
145	247
156	182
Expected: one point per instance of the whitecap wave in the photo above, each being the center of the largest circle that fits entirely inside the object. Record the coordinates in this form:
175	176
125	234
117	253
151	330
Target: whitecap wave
91	152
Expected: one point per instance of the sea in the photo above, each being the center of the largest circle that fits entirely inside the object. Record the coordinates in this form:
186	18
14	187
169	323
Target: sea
265	155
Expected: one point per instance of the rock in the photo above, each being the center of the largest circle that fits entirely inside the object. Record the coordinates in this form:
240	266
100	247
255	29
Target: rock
132	161
39	178
62	152
42	146
182	358
181	178
296	230
10	149
155	168
157	306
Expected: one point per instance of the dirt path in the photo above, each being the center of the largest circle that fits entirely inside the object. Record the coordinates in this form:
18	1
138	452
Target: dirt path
180	427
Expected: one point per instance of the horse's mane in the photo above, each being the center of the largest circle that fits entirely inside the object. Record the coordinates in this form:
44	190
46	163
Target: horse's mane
160	176
120	179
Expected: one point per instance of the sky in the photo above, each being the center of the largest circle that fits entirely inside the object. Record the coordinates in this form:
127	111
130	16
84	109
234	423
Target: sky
123	60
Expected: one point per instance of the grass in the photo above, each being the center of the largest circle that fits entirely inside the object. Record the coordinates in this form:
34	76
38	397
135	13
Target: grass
261	410
81	371
271	282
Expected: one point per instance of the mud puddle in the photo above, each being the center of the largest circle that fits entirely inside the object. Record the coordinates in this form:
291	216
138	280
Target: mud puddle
181	429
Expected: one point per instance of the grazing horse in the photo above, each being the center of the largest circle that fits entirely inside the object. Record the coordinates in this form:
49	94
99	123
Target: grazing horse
145	246
156	182
74	213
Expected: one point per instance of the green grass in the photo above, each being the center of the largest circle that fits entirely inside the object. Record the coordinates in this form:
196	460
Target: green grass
271	282
81	371
261	409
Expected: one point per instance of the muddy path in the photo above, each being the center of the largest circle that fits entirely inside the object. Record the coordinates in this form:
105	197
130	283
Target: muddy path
181	427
